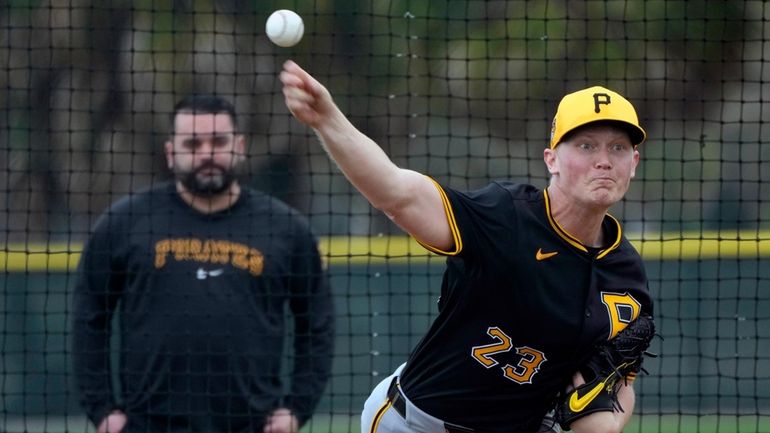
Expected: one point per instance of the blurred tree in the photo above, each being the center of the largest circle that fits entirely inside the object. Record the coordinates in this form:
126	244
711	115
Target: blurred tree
463	90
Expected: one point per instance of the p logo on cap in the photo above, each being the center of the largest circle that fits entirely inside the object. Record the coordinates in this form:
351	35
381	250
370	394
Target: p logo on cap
595	104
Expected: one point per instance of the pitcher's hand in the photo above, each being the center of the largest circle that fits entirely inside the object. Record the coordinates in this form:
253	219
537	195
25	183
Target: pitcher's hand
281	421
307	99
113	423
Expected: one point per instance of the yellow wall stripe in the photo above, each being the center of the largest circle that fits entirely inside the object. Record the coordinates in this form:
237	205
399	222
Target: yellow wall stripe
361	250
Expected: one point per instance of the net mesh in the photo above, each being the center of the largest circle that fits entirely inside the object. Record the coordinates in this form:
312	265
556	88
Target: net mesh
462	90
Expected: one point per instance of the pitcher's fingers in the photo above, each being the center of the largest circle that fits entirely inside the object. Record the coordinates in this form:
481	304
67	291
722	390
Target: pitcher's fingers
294	68
299	108
297	94
290	79
302	111
577	379
311	84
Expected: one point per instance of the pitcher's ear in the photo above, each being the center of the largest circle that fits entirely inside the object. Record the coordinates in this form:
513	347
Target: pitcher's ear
549	157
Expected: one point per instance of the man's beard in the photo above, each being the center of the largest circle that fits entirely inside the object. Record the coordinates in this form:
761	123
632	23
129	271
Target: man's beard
207	186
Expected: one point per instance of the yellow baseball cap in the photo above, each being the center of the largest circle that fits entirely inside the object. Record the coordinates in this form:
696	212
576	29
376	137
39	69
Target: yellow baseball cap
595	104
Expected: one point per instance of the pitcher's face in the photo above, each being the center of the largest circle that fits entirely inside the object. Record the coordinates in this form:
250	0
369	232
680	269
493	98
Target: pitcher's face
594	165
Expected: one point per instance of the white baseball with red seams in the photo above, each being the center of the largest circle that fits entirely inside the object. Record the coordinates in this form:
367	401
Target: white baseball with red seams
285	28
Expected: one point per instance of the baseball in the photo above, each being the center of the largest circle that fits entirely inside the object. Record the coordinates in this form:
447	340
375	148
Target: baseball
284	28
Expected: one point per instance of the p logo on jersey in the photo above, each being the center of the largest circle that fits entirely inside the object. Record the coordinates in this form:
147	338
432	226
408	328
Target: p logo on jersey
622	309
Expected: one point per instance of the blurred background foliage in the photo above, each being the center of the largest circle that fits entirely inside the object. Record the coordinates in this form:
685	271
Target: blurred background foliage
462	90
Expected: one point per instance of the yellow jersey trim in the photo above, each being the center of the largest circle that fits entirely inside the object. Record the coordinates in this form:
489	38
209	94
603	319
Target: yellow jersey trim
572	240
558	229
616	243
450	216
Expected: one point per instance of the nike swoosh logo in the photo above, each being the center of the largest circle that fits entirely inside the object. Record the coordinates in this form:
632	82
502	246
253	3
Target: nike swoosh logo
540	255
577	403
202	274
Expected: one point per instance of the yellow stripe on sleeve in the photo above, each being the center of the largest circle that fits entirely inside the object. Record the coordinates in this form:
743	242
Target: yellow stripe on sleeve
450	216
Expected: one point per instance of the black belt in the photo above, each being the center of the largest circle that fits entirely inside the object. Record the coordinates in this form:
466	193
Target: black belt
396	398
398	402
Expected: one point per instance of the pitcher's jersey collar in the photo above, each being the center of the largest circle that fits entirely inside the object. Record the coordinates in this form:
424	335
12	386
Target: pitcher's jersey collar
575	242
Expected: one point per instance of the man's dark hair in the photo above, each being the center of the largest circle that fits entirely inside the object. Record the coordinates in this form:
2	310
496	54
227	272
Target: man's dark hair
204	104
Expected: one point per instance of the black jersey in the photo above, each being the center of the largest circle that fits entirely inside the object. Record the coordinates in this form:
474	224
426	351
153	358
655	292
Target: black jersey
202	301
522	305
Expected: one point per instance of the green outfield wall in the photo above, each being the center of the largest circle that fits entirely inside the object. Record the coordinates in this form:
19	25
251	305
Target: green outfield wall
713	315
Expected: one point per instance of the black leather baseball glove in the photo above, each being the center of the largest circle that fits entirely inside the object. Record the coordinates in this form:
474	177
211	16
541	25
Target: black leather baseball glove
615	360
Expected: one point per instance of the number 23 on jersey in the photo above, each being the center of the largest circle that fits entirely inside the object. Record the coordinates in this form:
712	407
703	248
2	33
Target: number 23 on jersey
521	373
621	308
